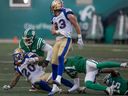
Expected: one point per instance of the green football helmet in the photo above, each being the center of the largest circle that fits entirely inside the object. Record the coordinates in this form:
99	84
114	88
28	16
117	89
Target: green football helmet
29	36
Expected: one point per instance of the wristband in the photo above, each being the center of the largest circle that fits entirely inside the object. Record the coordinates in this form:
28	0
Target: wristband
79	36
57	32
36	59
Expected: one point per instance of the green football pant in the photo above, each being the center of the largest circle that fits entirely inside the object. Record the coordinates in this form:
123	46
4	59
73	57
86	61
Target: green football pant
101	65
95	86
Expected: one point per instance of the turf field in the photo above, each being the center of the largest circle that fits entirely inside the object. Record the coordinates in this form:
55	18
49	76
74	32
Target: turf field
98	52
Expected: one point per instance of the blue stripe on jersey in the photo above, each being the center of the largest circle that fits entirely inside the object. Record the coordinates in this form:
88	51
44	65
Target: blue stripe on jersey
66	47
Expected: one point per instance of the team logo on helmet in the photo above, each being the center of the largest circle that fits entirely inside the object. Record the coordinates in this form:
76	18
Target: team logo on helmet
29	36
56	5
18	56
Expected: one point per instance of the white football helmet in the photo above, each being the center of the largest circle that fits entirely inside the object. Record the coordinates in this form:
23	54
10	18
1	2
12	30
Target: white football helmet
56	5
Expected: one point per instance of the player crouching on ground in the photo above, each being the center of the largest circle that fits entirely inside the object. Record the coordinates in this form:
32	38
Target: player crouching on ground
114	78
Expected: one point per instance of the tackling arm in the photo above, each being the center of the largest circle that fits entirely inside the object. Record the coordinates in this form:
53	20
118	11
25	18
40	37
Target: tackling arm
48	50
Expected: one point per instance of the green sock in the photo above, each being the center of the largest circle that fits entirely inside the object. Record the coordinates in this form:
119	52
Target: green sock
95	86
107	65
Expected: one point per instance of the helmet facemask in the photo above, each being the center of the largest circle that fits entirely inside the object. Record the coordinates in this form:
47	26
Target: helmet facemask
56	5
18	56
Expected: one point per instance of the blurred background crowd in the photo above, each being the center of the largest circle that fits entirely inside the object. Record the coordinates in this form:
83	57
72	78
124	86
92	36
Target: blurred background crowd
101	21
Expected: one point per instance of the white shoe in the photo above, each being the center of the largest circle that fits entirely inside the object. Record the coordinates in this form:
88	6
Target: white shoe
33	89
81	90
125	65
56	90
110	90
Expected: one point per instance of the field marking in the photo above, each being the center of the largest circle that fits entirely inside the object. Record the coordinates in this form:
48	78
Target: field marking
120	50
6	62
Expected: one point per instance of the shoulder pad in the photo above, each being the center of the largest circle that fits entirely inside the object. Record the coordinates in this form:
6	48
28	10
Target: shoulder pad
40	43
68	9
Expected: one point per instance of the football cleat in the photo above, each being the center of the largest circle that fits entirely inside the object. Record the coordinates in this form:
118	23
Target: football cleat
124	65
33	89
52	93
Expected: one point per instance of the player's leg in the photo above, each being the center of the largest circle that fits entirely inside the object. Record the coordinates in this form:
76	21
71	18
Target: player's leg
63	51
67	82
110	64
55	60
42	85
43	82
106	64
91	72
90	81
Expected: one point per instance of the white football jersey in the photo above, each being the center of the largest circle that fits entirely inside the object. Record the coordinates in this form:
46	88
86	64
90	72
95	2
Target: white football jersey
30	71
62	23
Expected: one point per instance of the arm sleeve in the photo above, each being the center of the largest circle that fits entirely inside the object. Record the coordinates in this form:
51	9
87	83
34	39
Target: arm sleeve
48	49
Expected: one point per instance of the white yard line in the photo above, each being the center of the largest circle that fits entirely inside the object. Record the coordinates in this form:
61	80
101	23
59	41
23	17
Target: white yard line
7	62
120	50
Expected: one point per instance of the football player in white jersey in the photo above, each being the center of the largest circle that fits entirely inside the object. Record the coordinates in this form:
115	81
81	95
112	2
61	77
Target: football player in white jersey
63	22
26	64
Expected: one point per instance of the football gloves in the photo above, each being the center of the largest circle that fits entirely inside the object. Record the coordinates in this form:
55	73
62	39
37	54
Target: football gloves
45	63
6	87
80	43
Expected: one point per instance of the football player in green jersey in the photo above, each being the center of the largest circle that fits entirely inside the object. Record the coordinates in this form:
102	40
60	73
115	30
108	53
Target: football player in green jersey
31	43
115	78
78	64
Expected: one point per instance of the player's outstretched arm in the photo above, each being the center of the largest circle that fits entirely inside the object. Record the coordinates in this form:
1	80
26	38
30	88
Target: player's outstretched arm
13	82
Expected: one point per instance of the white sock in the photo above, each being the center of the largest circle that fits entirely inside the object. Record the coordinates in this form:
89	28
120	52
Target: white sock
59	78
76	85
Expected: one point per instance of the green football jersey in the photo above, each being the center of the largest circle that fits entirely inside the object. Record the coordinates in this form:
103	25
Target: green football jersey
76	62
121	84
36	46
